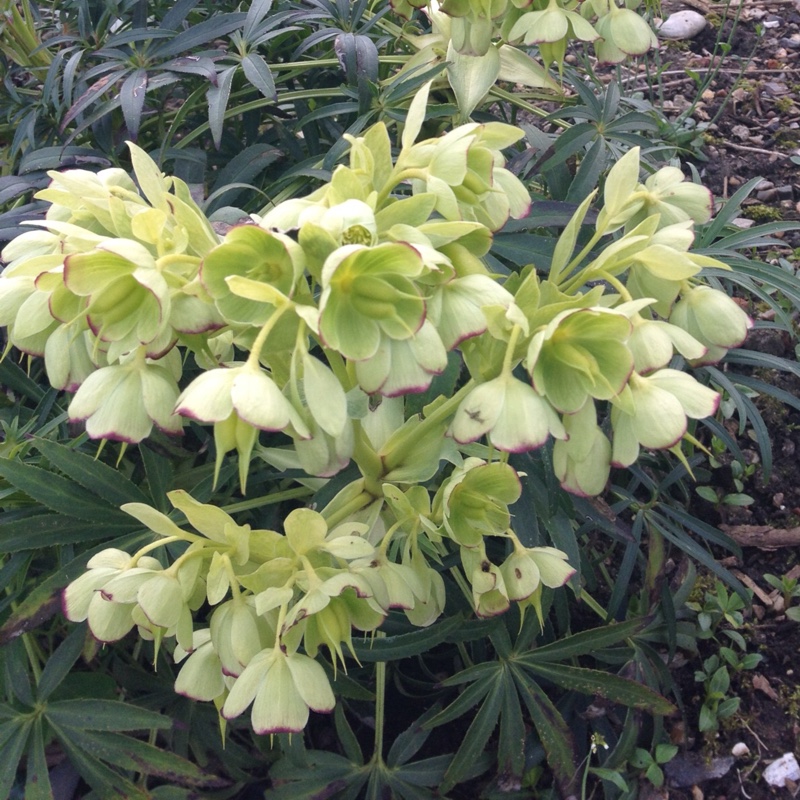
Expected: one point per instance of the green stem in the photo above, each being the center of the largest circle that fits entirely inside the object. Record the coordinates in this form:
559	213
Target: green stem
268	499
616	283
380	706
512	344
160	543
258	344
356	504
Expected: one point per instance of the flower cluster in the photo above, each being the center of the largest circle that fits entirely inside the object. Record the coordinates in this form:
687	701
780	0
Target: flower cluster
308	327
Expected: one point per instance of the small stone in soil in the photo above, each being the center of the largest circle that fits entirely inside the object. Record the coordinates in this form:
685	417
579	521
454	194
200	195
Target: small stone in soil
687	769
785	768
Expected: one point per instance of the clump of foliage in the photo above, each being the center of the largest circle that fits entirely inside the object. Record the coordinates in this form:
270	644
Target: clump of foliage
416	430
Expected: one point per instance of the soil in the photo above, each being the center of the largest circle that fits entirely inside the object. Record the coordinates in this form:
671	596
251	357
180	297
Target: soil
751	115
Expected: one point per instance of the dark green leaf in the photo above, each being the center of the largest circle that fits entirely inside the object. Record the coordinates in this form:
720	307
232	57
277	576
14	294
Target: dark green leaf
49	530
611	687
257	72
104	715
217	103
60	663
392	648
407	744
37	780
476	737
583	643
131	95
104	780
104	481
13	738
551	728
60	494
138	756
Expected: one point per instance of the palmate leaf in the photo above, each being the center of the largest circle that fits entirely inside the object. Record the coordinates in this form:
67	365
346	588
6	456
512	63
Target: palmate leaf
45	599
59	494
611	687
13	740
102	480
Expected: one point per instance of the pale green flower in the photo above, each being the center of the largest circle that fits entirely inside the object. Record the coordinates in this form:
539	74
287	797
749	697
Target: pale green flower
527	567
128	297
489	593
668	194
475	501
580	354
282	688
582	461
201	676
369	294
623	33
257	255
714	319
514	416
124	401
653	412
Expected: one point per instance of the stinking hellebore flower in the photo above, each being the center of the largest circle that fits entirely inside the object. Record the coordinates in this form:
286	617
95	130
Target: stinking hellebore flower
580	354
476	498
237	396
510	411
712	318
282	688
124	401
652	412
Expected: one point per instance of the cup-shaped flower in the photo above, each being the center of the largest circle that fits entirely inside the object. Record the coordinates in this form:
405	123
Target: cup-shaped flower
282	688
124	401
580	354
403	366
552	24
25	313
258	255
68	357
465	171
653	412
583	461
246	390
668	194
489	593
129	299
457	307
514	416
714	319
101	568
238	633
658	271
476	498
623	33
106	594
367	294
528	567
653	343
201	676
429	607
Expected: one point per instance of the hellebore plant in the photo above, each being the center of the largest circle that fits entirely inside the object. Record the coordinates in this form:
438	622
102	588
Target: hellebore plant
314	323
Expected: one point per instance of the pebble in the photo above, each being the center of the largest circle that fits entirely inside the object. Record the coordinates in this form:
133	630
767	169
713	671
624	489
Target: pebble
767	196
792	42
785	768
763	185
775	88
740	749
785	192
682	25
741	132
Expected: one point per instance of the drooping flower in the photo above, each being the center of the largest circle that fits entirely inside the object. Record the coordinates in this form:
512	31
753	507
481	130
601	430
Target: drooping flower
124	401
582	462
581	353
653	412
515	416
713	318
282	688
